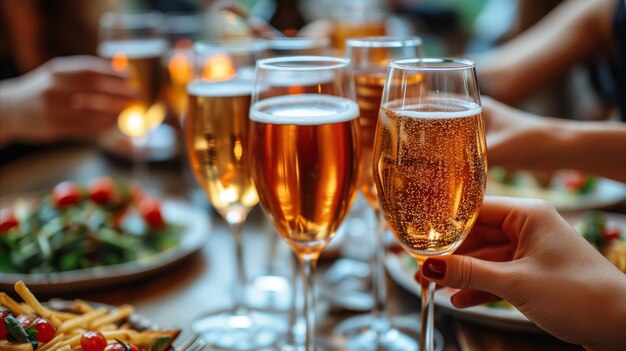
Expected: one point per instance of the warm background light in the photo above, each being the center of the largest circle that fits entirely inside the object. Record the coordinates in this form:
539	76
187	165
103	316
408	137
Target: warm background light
218	67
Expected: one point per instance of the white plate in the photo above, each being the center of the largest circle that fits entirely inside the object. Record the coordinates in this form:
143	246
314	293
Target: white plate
402	269
193	237
606	193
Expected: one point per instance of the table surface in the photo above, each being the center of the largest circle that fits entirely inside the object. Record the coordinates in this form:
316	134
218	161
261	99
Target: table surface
201	283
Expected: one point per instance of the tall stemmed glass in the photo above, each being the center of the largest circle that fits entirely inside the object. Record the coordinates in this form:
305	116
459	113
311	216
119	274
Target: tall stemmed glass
135	44
304	145
430	162
216	131
370	58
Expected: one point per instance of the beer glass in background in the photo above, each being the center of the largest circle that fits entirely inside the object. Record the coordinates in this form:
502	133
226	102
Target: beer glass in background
297	46
182	29
357	18
430	162
370	57
216	137
304	147
135	44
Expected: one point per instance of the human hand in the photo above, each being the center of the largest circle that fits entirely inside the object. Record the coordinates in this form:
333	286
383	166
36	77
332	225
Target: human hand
72	97
522	251
516	139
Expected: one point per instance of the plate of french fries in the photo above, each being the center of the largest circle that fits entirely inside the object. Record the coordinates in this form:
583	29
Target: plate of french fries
61	325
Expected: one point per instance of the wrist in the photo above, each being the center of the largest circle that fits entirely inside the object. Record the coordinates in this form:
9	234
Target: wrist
7	111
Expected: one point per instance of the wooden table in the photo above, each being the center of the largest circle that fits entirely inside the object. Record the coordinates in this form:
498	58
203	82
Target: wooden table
202	282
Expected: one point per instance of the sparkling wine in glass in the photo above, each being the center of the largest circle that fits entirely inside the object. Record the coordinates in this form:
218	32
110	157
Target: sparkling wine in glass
430	161
216	135
135	44
370	57
305	155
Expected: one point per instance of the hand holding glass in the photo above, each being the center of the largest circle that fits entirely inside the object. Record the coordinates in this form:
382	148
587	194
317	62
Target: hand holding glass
430	161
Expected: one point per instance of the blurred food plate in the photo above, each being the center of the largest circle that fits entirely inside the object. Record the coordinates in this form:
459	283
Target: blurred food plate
606	231
193	236
567	191
160	145
402	267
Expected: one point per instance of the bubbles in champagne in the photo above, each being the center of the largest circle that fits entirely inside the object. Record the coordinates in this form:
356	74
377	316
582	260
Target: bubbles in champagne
430	173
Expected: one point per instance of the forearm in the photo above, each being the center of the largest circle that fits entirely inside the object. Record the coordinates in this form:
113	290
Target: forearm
592	147
609	313
7	113
569	34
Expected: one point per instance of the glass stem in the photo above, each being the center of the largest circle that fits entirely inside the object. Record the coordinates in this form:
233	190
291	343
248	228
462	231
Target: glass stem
378	275
140	169
239	283
428	311
308	264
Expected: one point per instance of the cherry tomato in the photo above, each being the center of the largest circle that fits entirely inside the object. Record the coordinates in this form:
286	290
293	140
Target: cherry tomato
102	190
3	326
25	320
93	341
45	329
66	194
120	346
612	232
7	220
150	210
575	181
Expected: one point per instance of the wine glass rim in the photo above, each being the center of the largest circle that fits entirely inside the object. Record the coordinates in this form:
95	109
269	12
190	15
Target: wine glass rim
230	46
433	64
131	19
286	43
384	42
276	63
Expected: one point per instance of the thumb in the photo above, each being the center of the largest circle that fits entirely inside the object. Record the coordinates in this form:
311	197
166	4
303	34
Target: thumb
465	272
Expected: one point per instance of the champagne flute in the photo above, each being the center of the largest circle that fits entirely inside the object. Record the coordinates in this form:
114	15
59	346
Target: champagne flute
430	162
135	44
216	135
370	58
305	155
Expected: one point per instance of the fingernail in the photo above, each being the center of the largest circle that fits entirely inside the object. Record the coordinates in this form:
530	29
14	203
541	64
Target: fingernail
434	268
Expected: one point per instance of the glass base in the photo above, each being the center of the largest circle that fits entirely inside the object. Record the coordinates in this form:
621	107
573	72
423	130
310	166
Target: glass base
270	293
372	332
225	330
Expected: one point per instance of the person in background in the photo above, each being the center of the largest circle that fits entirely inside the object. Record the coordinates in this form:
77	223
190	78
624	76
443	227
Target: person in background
523	251
575	32
521	140
50	89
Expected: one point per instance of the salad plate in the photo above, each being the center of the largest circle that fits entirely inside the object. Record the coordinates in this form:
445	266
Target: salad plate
193	227
567	191
597	227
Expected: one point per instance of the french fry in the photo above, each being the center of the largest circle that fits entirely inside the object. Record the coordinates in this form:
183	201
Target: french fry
81	307
64	316
117	315
12	305
83	320
32	301
56	340
8	346
113	324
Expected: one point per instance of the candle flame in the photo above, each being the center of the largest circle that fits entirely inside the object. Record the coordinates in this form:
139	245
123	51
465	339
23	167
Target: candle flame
119	62
180	69
131	121
218	67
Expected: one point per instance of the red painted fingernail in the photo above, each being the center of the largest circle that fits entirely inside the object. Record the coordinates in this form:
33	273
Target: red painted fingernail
434	268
